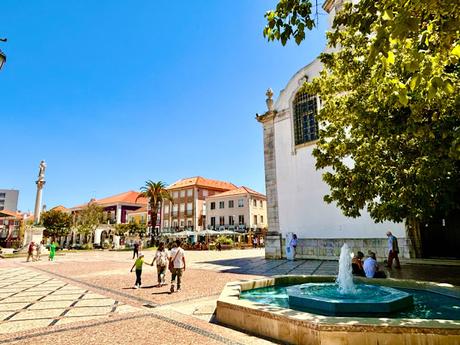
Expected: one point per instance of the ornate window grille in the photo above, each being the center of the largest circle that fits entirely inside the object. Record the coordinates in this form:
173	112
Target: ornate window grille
305	124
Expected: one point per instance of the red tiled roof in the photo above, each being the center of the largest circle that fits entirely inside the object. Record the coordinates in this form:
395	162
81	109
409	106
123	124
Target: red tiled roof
8	213
239	191
202	182
126	197
60	208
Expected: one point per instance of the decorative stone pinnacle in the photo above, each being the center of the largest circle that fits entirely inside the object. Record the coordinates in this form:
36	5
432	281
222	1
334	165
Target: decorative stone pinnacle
269	99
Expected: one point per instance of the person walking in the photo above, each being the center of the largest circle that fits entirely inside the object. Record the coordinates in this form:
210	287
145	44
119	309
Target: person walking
393	251
52	250
39	248
136	249
138	264
30	251
293	244
162	259
177	265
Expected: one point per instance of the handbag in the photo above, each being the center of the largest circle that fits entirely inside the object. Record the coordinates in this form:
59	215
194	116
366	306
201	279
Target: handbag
171	262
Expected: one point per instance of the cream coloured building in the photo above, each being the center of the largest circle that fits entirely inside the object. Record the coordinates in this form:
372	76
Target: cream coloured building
238	209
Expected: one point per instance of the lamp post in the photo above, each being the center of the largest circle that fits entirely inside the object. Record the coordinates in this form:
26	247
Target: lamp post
2	55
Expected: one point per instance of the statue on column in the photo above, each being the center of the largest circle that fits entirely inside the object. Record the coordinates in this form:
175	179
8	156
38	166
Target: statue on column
41	173
40	183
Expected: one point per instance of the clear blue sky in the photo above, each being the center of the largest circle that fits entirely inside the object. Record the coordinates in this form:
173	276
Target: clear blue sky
113	92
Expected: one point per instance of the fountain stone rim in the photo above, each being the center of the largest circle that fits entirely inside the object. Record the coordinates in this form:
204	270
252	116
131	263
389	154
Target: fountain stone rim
395	301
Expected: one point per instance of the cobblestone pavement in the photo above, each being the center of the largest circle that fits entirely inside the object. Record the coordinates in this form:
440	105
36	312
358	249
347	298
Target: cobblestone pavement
91	294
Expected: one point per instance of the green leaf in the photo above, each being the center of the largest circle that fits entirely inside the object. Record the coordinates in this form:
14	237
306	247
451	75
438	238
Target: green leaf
415	82
387	15
456	51
391	58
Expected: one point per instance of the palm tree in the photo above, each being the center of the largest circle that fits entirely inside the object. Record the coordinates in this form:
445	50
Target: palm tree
156	193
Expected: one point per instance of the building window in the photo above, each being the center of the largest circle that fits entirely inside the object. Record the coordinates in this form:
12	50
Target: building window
166	209
255	219
254	202
182	208
166	224
221	204
305	124
261	203
213	221
2	195
221	220
240	202
205	193
231	221
213	206
189	192
175	195
189	223
241	219
175	223
182	193
182	223
261	219
230	204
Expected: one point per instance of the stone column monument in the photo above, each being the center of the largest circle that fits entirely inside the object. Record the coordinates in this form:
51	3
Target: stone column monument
273	243
38	200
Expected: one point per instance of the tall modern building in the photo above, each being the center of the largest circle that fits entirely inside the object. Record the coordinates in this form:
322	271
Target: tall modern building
9	199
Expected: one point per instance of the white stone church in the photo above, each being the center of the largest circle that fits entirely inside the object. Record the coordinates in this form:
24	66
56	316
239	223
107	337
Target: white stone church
295	189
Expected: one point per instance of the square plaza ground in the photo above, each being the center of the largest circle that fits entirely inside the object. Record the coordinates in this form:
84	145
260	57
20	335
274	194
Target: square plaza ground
87	297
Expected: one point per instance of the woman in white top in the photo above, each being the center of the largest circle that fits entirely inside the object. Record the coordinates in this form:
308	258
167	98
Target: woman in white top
162	259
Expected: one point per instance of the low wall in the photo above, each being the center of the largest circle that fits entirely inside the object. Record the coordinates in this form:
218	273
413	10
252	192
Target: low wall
329	248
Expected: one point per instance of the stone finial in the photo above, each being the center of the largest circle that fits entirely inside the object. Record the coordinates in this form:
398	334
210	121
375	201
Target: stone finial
269	99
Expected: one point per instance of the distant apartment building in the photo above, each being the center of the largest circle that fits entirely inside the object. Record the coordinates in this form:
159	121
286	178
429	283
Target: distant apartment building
239	209
187	211
9	199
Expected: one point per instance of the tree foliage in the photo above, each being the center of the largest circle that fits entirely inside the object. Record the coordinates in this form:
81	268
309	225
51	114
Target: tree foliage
88	219
132	228
156	193
56	222
389	122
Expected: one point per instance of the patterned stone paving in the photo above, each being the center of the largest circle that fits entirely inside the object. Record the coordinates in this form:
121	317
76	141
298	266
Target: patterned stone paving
29	299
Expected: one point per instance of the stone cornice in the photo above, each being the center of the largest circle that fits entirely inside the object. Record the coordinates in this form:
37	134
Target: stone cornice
269	115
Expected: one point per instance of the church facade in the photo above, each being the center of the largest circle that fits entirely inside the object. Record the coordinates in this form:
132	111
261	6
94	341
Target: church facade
294	187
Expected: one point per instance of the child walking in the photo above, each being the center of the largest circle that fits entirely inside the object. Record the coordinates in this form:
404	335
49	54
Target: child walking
138	264
162	259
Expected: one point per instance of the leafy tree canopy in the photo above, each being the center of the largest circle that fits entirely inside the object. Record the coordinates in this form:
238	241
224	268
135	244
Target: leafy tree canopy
389	122
89	218
56	222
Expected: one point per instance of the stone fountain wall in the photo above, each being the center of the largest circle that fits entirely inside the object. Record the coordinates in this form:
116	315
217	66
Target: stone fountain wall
329	249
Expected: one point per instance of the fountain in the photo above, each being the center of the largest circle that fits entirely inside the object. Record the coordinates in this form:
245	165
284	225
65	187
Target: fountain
344	310
344	298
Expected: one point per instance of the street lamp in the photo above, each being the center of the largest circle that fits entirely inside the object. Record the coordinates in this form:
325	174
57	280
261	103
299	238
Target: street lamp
2	55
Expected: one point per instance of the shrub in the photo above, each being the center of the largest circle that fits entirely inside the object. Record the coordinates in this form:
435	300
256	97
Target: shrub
225	240
87	246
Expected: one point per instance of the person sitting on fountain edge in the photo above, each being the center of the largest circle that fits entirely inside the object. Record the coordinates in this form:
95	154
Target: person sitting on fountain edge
357	264
371	267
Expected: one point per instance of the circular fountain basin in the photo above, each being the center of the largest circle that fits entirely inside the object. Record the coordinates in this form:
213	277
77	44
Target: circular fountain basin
326	299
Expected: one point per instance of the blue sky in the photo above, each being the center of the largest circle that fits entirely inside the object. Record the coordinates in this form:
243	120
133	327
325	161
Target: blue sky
112	93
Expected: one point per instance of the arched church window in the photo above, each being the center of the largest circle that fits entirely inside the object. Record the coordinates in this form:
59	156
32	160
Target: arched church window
305	124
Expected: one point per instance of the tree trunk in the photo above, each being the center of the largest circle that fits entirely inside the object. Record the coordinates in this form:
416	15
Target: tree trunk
414	234
153	219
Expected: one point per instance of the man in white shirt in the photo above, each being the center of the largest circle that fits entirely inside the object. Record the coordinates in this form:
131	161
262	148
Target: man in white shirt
371	267
177	262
